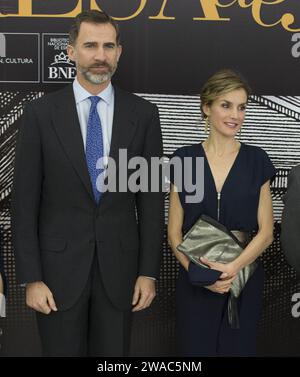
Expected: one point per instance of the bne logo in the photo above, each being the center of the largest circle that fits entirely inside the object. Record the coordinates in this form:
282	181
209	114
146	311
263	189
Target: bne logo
62	68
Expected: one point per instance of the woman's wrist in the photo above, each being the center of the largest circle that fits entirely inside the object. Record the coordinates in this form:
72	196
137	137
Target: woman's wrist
236	266
185	264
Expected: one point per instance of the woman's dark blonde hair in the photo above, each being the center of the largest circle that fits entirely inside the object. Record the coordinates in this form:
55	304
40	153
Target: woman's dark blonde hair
222	82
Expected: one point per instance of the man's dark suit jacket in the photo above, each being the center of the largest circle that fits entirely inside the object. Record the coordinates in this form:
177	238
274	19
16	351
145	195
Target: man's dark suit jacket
2	263
57	226
290	226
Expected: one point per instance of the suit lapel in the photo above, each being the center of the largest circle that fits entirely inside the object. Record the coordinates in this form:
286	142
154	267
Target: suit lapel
67	127
124	124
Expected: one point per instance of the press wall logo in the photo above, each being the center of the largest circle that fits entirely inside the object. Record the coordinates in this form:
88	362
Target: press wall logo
57	67
19	57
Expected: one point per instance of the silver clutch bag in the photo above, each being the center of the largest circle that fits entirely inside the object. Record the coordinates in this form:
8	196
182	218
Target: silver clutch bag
212	240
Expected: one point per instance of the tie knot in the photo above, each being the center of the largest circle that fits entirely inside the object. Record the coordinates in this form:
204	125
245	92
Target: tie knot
94	100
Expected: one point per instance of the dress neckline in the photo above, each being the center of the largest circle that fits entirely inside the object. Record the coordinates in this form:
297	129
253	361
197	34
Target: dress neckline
230	170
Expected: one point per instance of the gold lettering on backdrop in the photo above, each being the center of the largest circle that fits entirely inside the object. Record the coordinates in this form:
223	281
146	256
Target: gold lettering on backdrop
25	10
141	7
94	5
210	10
161	15
286	20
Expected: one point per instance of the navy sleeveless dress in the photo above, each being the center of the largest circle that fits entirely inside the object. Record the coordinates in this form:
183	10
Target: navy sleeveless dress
202	327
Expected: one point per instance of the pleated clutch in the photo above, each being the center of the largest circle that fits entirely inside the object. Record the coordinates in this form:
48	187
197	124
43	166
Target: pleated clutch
210	239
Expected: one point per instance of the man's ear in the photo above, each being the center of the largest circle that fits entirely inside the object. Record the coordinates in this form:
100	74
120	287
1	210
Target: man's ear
71	52
120	49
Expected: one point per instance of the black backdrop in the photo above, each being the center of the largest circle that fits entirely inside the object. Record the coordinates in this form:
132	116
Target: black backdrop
167	49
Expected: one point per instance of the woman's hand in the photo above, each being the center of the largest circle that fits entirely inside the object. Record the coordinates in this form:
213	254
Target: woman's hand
221	286
228	270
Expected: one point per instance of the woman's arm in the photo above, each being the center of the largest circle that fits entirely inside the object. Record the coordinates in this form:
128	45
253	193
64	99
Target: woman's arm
176	215
175	227
260	242
1	285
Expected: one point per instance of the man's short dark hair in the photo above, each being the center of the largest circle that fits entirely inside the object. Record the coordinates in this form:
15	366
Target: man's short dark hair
93	17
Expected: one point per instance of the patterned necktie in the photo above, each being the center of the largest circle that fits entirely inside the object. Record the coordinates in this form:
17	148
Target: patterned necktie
94	145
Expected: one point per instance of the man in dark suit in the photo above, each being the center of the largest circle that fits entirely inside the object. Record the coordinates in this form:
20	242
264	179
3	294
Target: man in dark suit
3	287
88	258
2	293
290	226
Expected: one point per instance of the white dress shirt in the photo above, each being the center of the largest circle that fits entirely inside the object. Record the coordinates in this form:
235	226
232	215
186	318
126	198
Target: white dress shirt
105	109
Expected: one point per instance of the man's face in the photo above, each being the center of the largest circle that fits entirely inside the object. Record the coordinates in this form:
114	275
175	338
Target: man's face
95	53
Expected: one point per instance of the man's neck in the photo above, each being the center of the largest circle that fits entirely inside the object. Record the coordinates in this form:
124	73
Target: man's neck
93	89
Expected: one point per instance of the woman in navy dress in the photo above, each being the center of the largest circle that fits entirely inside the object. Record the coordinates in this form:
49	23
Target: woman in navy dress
237	194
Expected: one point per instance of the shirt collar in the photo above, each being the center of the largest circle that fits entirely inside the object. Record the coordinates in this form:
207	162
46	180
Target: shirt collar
82	94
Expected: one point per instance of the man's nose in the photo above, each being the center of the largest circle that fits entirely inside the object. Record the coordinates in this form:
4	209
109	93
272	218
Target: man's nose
100	54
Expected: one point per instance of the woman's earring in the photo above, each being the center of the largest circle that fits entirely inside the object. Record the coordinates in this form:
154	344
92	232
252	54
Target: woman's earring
206	127
240	132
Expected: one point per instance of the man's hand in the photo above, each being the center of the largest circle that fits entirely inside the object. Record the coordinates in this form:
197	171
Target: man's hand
144	293
39	297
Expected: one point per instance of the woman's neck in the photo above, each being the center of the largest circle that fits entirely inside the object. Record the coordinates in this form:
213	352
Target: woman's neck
220	145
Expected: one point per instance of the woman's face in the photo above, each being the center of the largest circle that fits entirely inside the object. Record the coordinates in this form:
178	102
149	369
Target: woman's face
227	113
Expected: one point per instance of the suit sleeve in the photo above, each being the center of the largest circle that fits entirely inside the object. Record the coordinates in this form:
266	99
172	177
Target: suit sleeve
290	235
2	265
26	199
150	206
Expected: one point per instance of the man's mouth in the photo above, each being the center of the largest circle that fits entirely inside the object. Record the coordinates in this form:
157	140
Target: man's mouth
99	68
